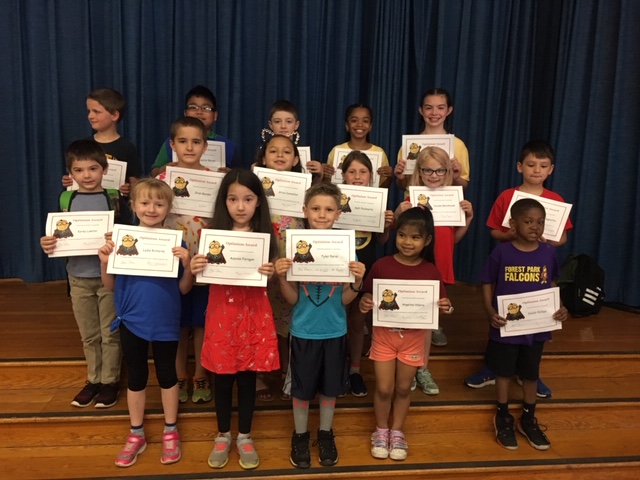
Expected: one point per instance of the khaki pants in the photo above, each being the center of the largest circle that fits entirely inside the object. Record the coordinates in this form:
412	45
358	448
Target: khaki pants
94	310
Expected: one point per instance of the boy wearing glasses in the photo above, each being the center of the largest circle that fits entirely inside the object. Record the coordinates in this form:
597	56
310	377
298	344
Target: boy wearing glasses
200	102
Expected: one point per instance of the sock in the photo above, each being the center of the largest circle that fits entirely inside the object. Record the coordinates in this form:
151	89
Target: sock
354	369
170	427
327	408
300	415
382	430
242	436
528	411
137	430
503	409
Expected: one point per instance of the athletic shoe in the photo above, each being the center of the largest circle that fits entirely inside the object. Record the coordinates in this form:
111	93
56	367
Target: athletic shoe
248	455
357	385
300	455
414	384
481	378
201	390
531	430
328	454
425	380
133	447
505	433
108	395
542	391
183	394
397	446
380	444
438	338
219	456
170	448
87	395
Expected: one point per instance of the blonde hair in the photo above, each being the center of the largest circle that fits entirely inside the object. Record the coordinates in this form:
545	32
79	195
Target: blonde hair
152	187
440	156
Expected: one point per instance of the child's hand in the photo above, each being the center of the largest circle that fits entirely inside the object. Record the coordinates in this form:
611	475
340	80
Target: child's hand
106	250
125	189
282	265
404	206
456	169
496	320
561	315
358	269
183	254
48	243
385	171
444	304
198	263
108	236
366	303
467	208
315	167
67	181
224	169
267	269
388	219
399	170
328	170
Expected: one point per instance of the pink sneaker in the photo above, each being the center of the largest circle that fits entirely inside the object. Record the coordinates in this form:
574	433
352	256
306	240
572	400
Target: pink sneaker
170	448
134	446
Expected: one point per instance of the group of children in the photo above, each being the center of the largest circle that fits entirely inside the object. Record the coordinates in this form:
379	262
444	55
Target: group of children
307	331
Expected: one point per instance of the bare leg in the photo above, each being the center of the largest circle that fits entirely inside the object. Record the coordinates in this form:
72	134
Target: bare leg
402	397
198	338
529	389
169	404
136	402
383	397
502	389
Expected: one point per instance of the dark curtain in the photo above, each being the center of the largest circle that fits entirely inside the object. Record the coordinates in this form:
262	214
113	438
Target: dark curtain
562	70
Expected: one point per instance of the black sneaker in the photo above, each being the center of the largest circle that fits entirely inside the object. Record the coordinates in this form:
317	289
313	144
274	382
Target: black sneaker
531	430
86	396
327	446
357	385
505	433
108	395
300	456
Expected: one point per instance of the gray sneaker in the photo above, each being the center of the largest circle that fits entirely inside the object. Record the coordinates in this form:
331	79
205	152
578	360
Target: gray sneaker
248	455
219	456
425	380
438	338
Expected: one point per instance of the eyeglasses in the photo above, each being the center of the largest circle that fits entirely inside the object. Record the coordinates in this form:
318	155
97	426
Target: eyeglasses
441	172
205	108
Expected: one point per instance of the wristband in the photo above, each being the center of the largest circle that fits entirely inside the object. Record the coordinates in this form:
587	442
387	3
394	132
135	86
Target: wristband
357	290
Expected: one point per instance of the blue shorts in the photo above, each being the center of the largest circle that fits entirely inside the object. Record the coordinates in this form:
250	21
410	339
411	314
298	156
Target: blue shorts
194	306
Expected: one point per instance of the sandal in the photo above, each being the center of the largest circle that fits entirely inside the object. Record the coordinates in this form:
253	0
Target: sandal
264	395
285	396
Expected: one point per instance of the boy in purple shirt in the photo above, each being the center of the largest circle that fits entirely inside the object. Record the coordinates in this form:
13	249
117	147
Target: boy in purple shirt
523	265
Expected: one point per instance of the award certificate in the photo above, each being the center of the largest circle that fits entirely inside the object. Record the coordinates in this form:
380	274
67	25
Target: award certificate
284	190
406	303
412	144
442	202
341	153
116	175
320	255
233	258
529	313
305	156
362	208
195	190
78	233
214	157
557	214
144	251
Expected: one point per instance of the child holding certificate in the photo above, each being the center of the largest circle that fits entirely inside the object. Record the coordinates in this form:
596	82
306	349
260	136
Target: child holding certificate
318	348
358	121
189	141
397	353
434	169
520	266
536	164
148	312
240	335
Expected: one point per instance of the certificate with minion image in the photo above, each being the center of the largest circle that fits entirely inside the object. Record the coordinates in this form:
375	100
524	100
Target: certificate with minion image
114	177
144	251
442	202
413	144
362	208
233	258
406	303
78	233
284	190
320	255
531	312
195	190
338	159
214	157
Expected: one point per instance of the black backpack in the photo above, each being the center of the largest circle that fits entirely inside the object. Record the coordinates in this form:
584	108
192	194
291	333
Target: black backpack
581	285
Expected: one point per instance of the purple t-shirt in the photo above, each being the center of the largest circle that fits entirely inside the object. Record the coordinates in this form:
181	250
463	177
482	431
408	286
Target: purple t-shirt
514	271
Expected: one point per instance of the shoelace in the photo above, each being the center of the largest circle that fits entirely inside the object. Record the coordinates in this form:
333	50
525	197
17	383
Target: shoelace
380	439
398	441
201	383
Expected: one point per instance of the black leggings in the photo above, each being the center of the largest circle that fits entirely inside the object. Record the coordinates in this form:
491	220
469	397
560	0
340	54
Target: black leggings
246	400
135	352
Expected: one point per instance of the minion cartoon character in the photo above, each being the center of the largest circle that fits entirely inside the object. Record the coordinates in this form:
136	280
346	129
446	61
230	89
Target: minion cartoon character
62	229
423	201
303	252
344	203
513	312
544	278
389	300
128	246
215	253
267	185
414	150
180	188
